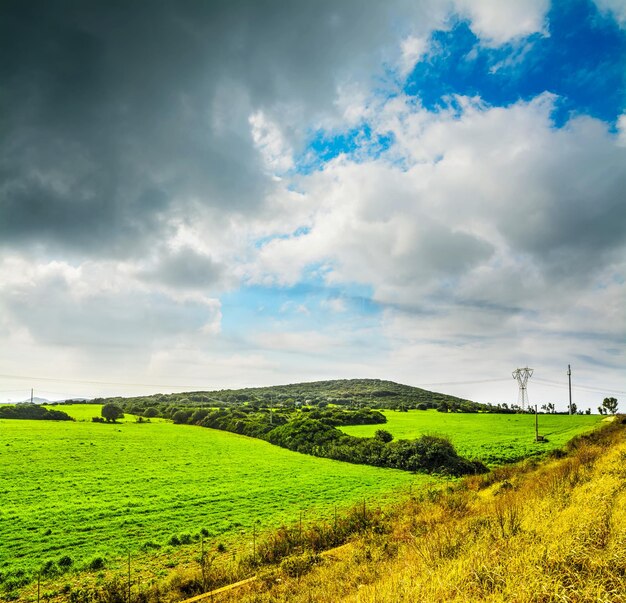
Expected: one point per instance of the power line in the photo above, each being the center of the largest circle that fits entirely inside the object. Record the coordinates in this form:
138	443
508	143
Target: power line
580	387
84	381
546	382
461	382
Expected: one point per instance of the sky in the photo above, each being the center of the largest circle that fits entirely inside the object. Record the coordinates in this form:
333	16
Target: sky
204	195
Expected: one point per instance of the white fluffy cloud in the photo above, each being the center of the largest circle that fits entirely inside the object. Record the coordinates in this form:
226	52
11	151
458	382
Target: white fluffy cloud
499	21
495	193
615	7
491	232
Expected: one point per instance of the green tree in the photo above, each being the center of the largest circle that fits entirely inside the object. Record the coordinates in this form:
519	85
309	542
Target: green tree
610	404
383	435
112	412
181	416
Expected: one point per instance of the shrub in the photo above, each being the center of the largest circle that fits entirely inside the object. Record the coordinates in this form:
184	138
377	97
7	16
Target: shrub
112	412
185	539
65	562
181	416
198	415
298	565
383	435
49	568
96	563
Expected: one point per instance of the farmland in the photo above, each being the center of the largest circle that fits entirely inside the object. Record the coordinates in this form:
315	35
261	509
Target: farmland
492	438
88	491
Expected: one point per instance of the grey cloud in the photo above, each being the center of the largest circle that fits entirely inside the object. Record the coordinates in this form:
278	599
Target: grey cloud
125	319
185	269
104	103
572	217
437	253
449	253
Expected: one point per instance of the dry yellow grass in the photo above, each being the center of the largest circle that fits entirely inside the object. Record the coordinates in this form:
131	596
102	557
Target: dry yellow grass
549	533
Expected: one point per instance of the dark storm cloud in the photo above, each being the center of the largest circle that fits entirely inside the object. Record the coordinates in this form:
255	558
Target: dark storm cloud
115	116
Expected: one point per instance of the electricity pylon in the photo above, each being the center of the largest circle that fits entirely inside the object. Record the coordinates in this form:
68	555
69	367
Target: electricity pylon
522	375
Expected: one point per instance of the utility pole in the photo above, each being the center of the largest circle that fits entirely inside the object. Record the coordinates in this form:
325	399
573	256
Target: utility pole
31	395
569	378
536	425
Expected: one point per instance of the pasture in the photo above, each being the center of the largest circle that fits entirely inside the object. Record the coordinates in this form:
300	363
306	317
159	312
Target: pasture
81	491
87	490
491	438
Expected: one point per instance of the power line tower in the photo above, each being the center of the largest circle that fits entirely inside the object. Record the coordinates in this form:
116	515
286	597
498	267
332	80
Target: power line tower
522	375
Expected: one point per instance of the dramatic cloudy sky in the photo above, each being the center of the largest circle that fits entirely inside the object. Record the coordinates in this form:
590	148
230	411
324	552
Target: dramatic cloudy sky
200	195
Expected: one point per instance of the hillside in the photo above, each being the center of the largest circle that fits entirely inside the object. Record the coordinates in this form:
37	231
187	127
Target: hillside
372	393
532	533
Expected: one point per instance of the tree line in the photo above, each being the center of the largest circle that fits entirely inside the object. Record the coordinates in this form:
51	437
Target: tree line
33	412
315	431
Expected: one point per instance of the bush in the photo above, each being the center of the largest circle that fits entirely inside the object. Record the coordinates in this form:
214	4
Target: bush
383	435
97	563
298	565
112	412
185	539
181	417
65	562
49	568
196	417
32	412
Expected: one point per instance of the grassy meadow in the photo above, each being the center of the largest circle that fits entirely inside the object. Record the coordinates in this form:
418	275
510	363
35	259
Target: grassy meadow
83	491
491	438
536	533
88	490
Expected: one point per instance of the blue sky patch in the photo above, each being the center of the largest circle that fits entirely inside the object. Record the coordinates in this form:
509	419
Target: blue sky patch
309	304
299	232
358	143
581	60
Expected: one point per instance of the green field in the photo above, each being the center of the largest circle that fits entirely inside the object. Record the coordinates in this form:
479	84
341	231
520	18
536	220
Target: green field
85	412
86	489
491	438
